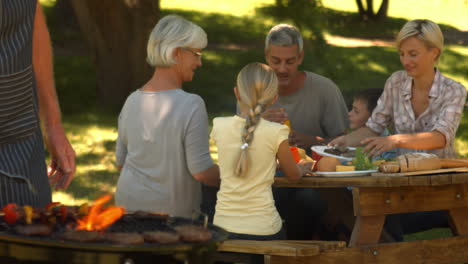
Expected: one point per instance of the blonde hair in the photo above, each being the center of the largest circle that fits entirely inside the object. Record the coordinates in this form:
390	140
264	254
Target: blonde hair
173	32
257	87
426	31
284	35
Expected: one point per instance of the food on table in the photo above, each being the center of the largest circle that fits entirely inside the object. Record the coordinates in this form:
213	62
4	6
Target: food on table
328	163
412	162
295	153
345	168
391	166
378	162
340	151
362	161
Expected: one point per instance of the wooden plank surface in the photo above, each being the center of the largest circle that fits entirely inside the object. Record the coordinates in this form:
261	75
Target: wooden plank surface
382	201
437	251
376	180
323	245
414	173
269	248
333	182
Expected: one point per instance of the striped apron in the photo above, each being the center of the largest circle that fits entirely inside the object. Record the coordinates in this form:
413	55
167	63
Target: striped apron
23	178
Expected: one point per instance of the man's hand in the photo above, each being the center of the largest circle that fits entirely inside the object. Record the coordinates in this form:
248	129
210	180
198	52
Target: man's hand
277	115
62	167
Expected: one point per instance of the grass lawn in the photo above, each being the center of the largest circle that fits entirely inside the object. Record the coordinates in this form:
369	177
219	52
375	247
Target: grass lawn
236	37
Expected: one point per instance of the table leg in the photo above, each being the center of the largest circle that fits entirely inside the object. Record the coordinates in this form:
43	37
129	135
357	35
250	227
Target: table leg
458	217
367	230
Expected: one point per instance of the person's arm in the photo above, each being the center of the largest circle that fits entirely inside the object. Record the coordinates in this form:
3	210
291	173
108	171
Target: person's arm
121	144
62	167
354	138
196	144
423	140
292	171
209	176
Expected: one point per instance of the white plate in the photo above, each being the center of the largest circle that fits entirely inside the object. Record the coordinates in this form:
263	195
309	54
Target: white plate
321	151
345	173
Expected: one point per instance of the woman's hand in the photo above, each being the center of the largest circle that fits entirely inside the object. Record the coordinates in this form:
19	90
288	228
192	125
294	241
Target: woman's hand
377	145
339	141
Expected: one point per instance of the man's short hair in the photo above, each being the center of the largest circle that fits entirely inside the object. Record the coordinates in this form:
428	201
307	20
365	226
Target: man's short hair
284	35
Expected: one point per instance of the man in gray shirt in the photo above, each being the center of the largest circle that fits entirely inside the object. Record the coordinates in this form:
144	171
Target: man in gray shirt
316	110
312	103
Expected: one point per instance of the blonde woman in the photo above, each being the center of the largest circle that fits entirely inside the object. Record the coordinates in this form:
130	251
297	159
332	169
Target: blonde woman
162	146
248	147
423	105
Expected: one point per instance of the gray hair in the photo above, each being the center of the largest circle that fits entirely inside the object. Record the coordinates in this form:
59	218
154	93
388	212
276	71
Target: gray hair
173	32
284	35
425	30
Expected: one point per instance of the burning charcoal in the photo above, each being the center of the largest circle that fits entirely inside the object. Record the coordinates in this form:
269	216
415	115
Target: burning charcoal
193	233
82	235
161	237
34	230
125	238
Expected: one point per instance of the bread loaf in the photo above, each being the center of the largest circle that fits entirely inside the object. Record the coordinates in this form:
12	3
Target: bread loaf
403	163
390	167
412	162
422	161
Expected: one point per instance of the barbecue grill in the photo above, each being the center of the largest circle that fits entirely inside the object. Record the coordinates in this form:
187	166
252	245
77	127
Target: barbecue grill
22	249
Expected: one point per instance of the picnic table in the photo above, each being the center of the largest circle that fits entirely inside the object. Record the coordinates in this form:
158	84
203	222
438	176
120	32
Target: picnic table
381	194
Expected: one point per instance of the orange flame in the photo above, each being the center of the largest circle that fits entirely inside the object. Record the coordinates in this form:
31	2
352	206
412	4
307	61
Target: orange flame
97	218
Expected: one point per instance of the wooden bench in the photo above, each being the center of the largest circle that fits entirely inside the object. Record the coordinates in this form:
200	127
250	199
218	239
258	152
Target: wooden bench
250	251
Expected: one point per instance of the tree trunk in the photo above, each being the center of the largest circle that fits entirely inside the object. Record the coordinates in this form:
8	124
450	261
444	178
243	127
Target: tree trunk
367	13
117	32
362	12
383	10
370	9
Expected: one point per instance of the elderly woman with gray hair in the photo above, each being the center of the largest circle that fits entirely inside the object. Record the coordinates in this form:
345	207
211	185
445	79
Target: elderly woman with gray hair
162	146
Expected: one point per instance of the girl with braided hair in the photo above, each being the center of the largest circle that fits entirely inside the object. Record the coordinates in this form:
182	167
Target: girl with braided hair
248	147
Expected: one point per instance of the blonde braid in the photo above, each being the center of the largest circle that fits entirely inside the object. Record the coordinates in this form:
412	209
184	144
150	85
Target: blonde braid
257	87
247	135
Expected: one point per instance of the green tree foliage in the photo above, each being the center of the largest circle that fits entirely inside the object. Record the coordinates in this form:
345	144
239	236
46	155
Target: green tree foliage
305	14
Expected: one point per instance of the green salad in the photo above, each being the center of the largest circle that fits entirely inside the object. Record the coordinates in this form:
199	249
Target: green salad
362	161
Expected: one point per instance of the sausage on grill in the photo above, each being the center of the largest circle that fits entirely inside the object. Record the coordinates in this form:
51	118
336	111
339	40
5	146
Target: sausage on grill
34	230
193	233
124	238
161	237
81	235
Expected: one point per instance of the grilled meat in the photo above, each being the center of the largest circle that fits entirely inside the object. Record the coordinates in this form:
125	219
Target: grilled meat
341	151
82	235
161	237
193	233
124	238
34	230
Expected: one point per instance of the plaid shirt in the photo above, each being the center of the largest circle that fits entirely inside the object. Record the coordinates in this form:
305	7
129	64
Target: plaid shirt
446	101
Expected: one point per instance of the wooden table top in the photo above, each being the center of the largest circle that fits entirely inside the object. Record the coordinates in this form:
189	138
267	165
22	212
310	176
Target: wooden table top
382	180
